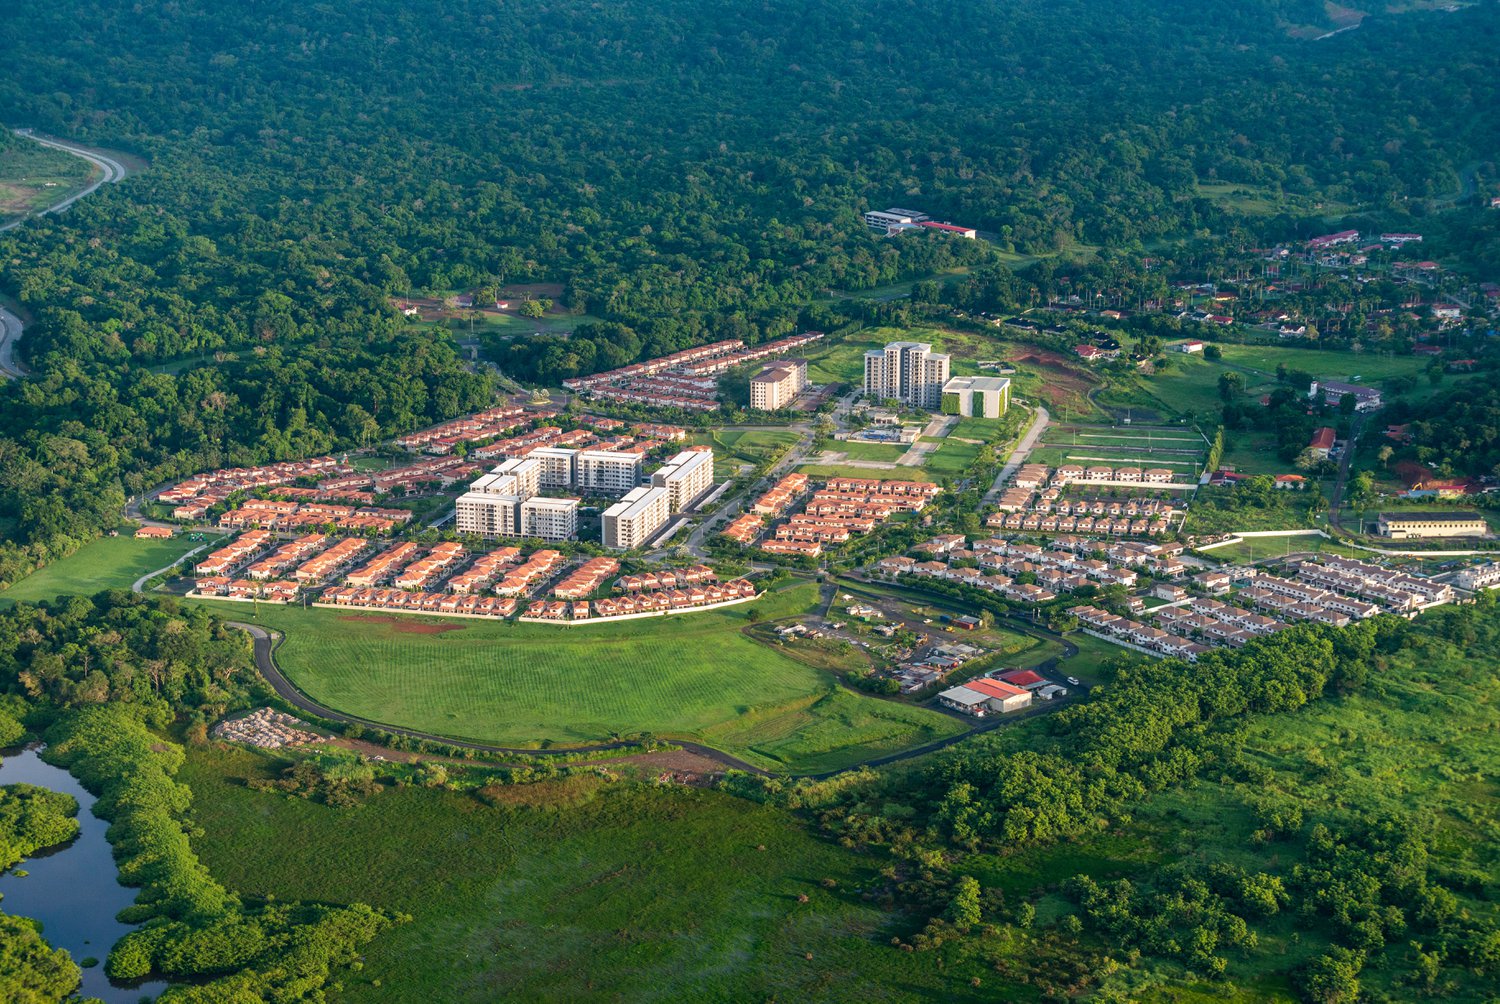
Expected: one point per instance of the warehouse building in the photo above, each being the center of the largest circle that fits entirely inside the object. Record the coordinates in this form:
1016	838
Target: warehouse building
1408	525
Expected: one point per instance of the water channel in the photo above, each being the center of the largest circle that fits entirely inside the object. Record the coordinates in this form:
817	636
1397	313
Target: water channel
72	889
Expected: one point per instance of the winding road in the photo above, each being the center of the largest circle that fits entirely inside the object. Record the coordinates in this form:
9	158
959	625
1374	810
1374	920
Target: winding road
110	171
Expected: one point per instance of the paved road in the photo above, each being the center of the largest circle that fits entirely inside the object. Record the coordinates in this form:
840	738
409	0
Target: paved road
110	171
1336	497
1021	452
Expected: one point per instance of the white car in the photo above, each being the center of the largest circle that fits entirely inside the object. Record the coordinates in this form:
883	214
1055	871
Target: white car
1073	680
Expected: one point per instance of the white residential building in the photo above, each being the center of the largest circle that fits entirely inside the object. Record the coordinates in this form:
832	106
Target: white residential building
557	466
504	503
549	518
778	383
636	518
976	396
610	472
907	371
685	477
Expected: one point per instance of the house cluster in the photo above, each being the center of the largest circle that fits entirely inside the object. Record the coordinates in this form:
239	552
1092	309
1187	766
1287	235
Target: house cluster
666	578
844	508
1477	577
584	580
492	423
1135	634
774	502
447	604
658	601
196	495
687	379
932	666
274	514
1034	501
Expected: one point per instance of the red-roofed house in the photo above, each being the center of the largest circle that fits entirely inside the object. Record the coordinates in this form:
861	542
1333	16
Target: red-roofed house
1322	442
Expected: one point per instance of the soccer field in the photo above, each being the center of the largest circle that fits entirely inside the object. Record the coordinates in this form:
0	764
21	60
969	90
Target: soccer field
106	563
691	676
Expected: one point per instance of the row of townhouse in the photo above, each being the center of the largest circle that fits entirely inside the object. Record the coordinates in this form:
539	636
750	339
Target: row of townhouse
586	578
543	438
766	350
657	430
1032	522
372	598
1097	473
238	551
1216	623
431	567
270	514
1292	608
779	497
876	488
652	392
287	556
540	565
487	424
330	563
486	568
744	528
674	599
1314	595
798	548
1477	577
383	566
1123	629
666	578
1430	590
231	479
299	494
1004	585
275	591
661	364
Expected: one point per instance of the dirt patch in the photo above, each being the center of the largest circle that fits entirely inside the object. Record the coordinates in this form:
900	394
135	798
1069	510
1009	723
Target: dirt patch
684	763
1066	385
403	626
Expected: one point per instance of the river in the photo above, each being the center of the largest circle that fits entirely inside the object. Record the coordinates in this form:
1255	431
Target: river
74	889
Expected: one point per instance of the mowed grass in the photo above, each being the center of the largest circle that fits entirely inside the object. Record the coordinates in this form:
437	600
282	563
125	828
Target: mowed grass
1323	363
106	563
640	894
690	676
735	447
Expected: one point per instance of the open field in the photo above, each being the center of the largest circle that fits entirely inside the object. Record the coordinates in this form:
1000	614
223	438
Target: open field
602	892
1370	367
1255	548
1263	200
516	684
106	563
734	447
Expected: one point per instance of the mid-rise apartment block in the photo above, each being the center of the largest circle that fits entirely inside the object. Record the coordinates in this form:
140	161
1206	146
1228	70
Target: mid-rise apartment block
504	503
549	518
636	518
907	371
685	477
557	466
778	383
610	472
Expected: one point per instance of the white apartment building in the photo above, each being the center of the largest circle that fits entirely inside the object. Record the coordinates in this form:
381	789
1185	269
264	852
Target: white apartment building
894	217
907	371
504	503
633	520
612	472
777	385
549	518
685	477
557	465
1486	576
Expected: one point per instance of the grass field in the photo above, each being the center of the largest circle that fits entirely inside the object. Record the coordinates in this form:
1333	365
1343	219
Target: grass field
1323	363
689	676
33	177
1255	548
638	894
735	447
106	563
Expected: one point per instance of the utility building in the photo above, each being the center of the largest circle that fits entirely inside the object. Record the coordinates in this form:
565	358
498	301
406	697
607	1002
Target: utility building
976	396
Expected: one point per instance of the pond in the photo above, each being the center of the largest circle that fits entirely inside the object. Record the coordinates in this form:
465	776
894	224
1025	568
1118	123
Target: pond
72	889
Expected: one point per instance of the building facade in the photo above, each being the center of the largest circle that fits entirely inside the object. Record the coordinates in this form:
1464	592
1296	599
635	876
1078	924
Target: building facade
636	518
976	396
1406	525
777	385
906	371
608	472
685	477
549	518
504	503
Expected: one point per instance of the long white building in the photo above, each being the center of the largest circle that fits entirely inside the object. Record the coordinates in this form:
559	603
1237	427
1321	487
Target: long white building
685	477
605	472
636	518
907	371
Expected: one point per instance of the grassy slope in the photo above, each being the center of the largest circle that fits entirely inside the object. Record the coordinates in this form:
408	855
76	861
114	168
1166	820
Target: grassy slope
693	676
638	895
106	563
27	170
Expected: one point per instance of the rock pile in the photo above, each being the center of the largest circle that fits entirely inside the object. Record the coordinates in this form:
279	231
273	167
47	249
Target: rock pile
266	728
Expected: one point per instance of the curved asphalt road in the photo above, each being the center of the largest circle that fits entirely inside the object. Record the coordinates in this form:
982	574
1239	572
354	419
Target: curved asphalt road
110	171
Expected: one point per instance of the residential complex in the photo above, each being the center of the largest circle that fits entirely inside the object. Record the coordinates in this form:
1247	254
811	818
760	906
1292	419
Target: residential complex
906	371
505	503
777	385
636	518
1332	392
1486	576
686	477
976	396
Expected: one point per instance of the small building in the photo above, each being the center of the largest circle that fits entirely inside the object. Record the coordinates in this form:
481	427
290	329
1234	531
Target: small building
155	533
1001	697
1170	593
976	396
1190	346
1321	443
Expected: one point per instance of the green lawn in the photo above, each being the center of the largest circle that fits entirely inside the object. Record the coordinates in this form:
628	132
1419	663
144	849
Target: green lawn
869	451
691	676
734	447
1254	548
1323	363
637	894
106	563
